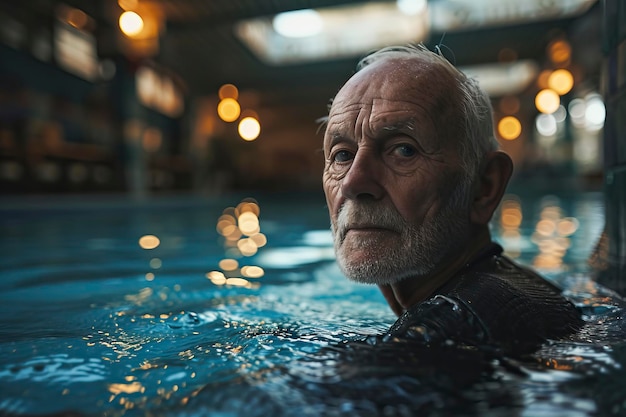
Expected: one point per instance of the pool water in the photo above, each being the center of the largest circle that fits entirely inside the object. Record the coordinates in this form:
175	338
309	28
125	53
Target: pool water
179	306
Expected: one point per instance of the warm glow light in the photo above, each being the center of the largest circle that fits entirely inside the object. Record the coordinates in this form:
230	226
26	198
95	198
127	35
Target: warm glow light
561	81
228	109
559	51
248	223
546	227
248	206
131	388
237	282
252	271
131	23
247	247
567	226
216	277
298	23
77	18
542	78
259	239
228	91
511	218
249	128
229	264
547	101
127	4
149	242
509	128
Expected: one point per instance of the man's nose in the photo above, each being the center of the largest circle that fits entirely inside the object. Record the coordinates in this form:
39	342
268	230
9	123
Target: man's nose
364	177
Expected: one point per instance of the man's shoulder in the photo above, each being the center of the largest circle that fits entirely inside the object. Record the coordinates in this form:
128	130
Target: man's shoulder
496	301
515	303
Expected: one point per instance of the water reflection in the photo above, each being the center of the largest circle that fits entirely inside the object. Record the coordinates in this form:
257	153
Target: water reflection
552	234
546	235
240	229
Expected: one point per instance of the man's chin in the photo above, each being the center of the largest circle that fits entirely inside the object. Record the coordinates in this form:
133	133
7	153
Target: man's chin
370	274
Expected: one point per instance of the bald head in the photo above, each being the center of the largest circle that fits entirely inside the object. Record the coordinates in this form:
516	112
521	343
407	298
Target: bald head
460	111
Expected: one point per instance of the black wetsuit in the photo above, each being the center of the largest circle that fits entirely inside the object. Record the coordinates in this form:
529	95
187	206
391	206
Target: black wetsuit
492	301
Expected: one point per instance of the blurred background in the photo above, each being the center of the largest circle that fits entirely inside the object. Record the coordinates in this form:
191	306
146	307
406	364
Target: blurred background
209	96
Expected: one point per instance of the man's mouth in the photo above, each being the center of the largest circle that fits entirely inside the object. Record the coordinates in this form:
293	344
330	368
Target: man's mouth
366	228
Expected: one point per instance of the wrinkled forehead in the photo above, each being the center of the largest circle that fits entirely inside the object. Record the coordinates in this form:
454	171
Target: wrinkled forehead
424	87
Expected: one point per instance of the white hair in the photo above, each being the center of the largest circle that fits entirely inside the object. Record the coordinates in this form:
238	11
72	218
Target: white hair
476	124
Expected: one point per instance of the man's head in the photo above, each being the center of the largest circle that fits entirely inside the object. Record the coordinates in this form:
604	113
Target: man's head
407	143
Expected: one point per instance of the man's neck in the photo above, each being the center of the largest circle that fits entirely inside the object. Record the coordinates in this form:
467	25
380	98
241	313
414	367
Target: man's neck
411	291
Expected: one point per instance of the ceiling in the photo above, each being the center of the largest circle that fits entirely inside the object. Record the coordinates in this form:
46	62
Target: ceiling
198	43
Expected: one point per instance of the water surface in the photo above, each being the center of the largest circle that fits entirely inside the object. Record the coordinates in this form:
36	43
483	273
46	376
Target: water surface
92	323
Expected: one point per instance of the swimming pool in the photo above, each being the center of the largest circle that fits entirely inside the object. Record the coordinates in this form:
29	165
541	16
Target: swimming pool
180	306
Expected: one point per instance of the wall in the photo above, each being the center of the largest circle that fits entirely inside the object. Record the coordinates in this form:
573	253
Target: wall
614	275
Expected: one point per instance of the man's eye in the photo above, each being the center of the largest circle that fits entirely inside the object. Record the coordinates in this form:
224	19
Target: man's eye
342	156
405	150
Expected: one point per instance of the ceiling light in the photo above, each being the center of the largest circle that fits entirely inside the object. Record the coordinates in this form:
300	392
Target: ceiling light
509	128
411	7
331	32
547	101
298	23
561	81
249	128
228	109
131	23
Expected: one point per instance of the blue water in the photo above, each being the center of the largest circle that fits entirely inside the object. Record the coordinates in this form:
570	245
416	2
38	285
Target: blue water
91	323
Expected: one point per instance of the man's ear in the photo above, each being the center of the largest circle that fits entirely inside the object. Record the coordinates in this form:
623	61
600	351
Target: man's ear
493	178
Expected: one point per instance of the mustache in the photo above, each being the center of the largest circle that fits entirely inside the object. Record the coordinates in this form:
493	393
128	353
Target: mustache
374	215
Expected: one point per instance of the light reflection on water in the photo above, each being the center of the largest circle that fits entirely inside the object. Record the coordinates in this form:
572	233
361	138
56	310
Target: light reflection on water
94	323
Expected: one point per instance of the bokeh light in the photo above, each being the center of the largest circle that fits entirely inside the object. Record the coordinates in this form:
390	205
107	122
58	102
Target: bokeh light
547	101
561	81
229	264
252	271
559	51
546	124
576	109
216	277
595	112
551	235
298	23
248	223
131	23
249	128
228	91
510	222
228	109
241	230
509	128
149	242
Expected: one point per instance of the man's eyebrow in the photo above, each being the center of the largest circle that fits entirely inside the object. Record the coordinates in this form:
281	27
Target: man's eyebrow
402	125
335	136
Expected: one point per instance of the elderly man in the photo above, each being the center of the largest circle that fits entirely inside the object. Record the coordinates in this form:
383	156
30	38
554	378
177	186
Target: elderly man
412	177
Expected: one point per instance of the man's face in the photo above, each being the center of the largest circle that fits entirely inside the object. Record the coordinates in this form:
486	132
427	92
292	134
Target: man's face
396	193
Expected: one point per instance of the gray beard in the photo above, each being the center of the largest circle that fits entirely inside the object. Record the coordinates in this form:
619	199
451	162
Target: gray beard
419	249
